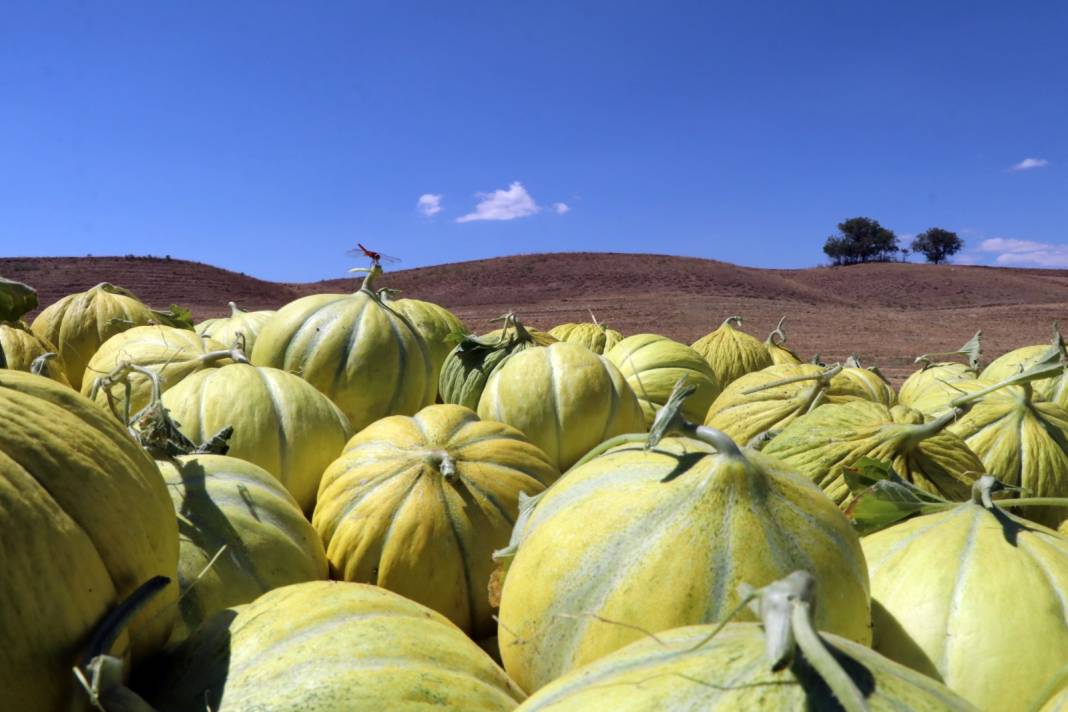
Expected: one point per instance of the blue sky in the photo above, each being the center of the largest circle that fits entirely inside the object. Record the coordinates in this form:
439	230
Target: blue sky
268	137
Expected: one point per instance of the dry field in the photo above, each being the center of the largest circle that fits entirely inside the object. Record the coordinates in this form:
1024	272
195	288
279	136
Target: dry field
885	313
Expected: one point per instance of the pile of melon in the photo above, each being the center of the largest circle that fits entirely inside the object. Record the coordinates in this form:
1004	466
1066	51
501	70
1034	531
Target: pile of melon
353	503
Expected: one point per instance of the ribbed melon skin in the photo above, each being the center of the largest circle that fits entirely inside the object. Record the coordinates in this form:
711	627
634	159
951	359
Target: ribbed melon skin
744	416
969	594
564	398
86	519
361	354
21	346
173	354
781	354
1053	388
225	329
935	378
330	646
823	443
464	374
860	384
389	516
223	501
437	325
78	324
652	364
685	671
280	422
732	353
1022	442
613	538
595	337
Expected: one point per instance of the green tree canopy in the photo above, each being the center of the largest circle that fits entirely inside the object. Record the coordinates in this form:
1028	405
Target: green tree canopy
937	244
861	240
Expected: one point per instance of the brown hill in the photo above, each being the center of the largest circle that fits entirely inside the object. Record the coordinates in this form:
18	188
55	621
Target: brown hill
157	281
887	313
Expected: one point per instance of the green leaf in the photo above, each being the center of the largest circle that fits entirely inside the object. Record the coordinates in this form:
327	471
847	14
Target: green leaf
456	336
16	299
176	316
866	471
883	498
474	344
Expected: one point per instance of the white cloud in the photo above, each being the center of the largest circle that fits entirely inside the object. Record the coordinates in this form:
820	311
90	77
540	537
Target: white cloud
1025	253
509	204
561	208
430	204
1028	164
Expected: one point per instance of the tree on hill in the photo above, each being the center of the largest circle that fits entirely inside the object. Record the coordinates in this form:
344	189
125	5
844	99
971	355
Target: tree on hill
861	240
937	244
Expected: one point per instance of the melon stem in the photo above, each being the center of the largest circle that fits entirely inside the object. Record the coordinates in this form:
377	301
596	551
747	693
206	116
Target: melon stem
824	378
973	350
786	609
368	284
444	463
918	433
670	421
808	640
728	320
987	485
777	332
39	366
101	674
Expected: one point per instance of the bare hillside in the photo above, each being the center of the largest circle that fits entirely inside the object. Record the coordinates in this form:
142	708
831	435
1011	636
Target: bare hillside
886	313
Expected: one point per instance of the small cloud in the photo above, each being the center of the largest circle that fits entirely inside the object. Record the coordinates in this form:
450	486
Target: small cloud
1025	253
561	208
509	204
430	204
1028	164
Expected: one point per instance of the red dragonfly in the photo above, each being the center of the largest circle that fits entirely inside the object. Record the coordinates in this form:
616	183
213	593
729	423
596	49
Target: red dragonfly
375	257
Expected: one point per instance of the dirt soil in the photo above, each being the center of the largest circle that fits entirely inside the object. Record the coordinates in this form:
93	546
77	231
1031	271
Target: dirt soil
885	313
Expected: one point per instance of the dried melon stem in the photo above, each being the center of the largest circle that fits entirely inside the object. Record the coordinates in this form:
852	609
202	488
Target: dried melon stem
814	397
100	674
235	311
823	380
984	487
512	331
786	609
919	433
123	370
669	420
1050	364
442	461
777	333
152	427
973	349
727	322
39	366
